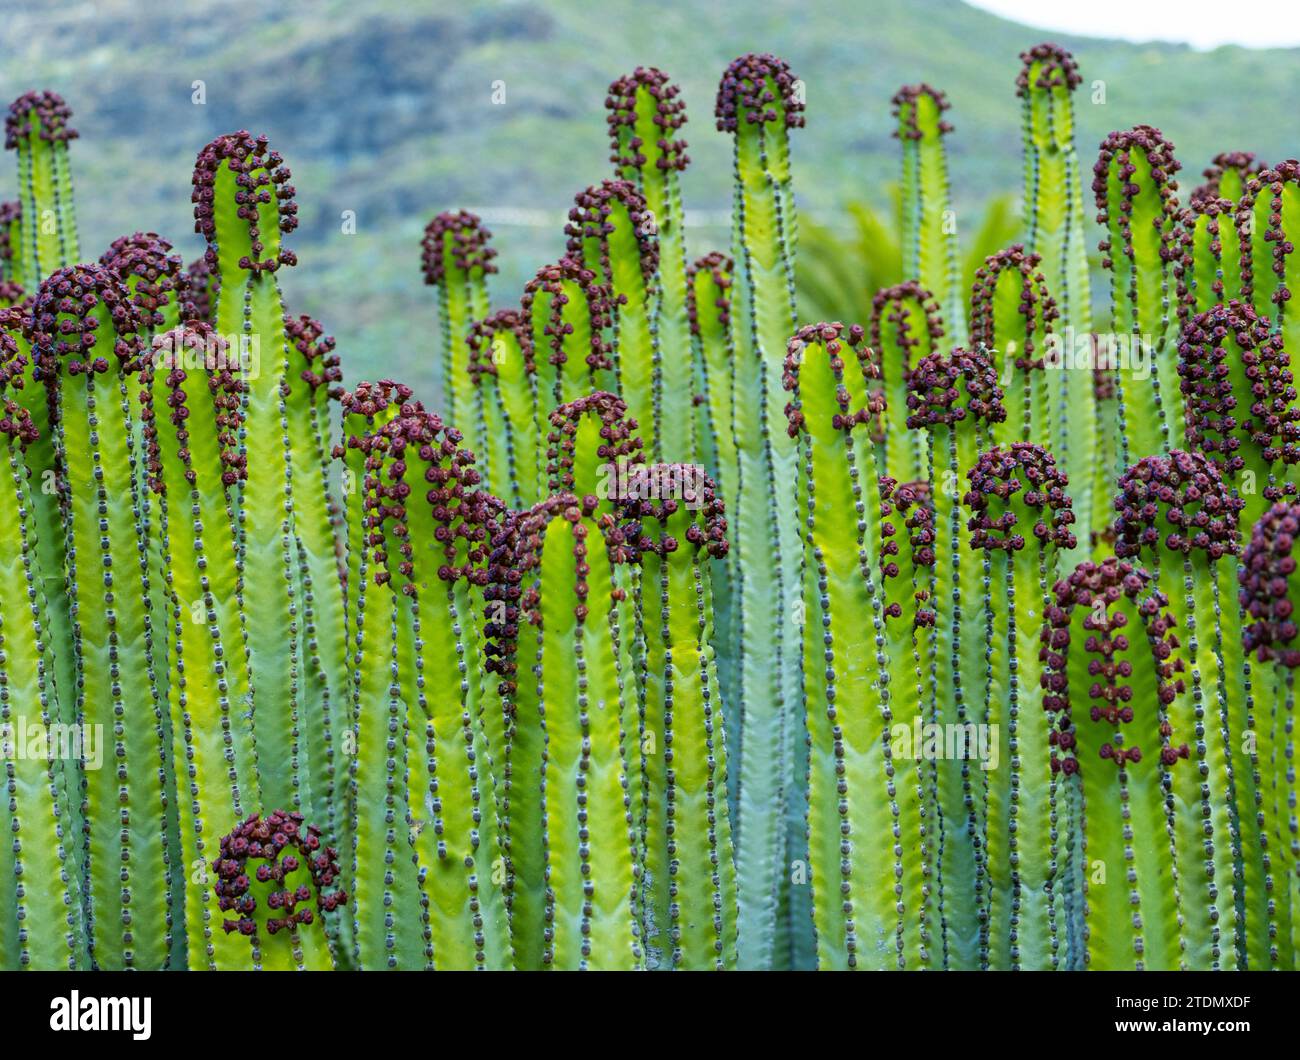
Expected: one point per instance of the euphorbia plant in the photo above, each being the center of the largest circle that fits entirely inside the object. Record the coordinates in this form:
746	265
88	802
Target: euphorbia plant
37	129
503	368
759	101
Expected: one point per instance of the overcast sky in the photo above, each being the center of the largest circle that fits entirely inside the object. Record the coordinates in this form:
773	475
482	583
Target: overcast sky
1200	23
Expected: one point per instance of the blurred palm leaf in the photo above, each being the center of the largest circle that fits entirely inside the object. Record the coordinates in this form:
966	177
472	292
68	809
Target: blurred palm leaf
840	269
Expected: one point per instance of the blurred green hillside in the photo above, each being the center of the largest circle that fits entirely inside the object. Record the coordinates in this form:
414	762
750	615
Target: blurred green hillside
385	108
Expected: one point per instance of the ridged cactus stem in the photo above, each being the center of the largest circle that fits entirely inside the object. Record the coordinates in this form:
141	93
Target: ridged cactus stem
758	102
956	400
1053	211
709	294
929	234
906	326
1137	203
11	249
869	909
1175	513
610	231
42	923
433	526
86	333
575	853
1021	518
457	259
1268	221
690	918
1112	673
242	204
37	128
314	377
1012	316
382	881
644	119
505	401
190	393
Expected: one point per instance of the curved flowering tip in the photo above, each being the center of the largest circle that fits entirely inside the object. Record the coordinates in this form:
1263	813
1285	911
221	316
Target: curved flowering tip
517	557
1047	66
307	335
619	442
81	316
919	110
457	238
483	338
44	112
831	339
1099	598
271	850
145	263
1272	183
1117	150
1268	585
668	503
1183	494
550	282
193	346
914	502
1015	488
198	286
668	114
1227	176
412	451
1037	306
589	220
893	310
261	179
757	89
1223	340
720	267
947	390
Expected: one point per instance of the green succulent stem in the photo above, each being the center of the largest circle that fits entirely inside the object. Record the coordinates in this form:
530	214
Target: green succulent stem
37	128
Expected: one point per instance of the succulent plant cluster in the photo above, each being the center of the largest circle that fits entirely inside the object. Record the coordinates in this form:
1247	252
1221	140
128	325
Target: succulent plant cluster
671	631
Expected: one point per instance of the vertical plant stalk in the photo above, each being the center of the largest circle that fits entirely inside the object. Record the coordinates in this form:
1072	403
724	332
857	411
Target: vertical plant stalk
1111	674
42	924
929	222
1012	316
574	851
1208	266
645	116
85	332
590	440
382	880
709	290
432	546
690	873
1241	413
1137	204
956	400
37	128
1267	576
1268	223
870	910
314	383
906	326
567	312
243	202
610	232
457	259
1020	519
190	397
1053	210
504	371
1227	176
759	101
1175	513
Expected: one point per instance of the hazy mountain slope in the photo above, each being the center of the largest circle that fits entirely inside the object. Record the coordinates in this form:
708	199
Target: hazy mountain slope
386	108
